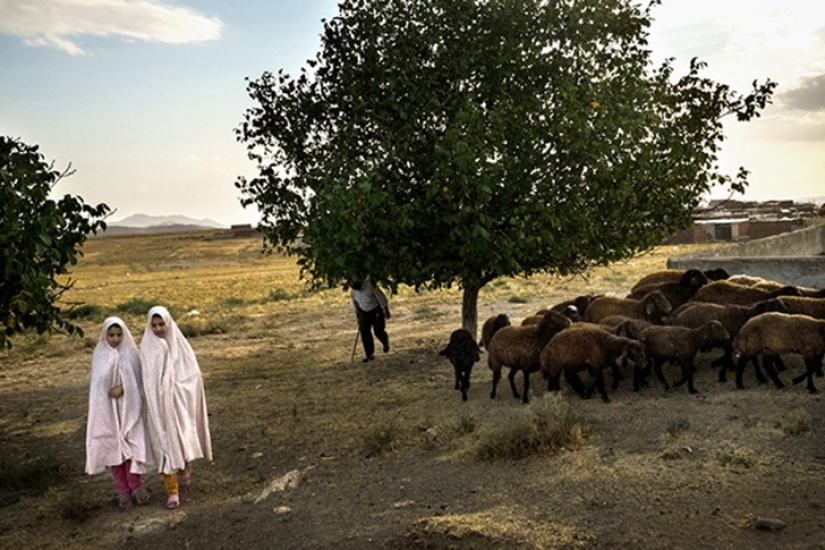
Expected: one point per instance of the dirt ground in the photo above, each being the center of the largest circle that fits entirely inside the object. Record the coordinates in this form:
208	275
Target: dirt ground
291	418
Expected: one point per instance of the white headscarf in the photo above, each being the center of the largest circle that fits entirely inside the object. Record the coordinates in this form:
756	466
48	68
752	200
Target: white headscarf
115	427
176	416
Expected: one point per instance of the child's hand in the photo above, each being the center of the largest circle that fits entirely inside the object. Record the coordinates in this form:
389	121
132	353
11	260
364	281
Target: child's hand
116	392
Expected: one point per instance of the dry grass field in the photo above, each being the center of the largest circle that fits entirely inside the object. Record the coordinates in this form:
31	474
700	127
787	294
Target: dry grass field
315	451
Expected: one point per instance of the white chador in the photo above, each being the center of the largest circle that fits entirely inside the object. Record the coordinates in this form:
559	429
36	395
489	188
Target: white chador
115	427
176	416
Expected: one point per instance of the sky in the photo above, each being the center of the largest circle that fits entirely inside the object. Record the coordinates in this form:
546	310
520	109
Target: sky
142	97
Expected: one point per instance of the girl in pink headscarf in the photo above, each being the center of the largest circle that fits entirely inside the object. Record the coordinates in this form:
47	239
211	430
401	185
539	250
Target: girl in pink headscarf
115	435
176	417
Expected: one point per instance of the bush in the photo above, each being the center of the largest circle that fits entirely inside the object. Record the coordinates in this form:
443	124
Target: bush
797	422
545	426
93	312
380	440
35	477
136	306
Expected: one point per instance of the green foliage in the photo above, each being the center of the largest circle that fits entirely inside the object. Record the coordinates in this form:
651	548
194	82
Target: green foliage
441	142
797	422
544	427
33	477
677	426
380	440
39	239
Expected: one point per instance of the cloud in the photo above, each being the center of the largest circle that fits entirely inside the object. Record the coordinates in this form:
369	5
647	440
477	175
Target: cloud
58	23
808	96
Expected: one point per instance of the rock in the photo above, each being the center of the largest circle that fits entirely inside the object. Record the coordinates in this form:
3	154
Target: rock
769	524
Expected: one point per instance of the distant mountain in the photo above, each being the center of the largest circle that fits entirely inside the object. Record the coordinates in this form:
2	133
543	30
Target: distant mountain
145	221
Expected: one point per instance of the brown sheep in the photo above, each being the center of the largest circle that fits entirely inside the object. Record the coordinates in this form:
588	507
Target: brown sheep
732	317
570	311
490	327
774	334
519	348
587	347
725	292
677	292
652	308
673	275
620	326
679	345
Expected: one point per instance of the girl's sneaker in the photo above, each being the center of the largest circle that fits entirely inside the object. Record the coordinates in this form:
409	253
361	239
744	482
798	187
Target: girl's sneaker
124	501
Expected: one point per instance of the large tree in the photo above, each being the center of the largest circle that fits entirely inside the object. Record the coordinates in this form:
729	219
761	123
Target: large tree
39	238
441	142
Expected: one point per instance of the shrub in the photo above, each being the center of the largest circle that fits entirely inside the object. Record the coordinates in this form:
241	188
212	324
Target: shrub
545	426
34	477
797	422
380	440
136	306
279	295
92	312
677	426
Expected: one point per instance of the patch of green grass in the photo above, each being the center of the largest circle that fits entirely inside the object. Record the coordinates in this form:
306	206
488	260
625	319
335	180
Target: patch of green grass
678	426
424	313
517	300
797	422
737	456
466	425
34	477
279	295
233	301
201	326
76	507
545	426
92	312
380	440
135	306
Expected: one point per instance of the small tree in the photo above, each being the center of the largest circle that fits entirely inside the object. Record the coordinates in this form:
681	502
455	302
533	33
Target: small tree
39	238
440	142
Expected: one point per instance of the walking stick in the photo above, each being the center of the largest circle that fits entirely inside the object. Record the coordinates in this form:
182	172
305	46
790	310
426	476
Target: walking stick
355	344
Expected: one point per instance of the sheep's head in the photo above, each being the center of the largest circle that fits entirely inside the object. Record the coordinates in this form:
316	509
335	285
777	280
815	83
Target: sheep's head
714	334
694	278
656	306
551	324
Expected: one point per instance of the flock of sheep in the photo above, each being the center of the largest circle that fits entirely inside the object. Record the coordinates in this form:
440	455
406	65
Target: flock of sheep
668	317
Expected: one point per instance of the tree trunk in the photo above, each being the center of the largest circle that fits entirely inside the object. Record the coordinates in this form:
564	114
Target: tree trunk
469	310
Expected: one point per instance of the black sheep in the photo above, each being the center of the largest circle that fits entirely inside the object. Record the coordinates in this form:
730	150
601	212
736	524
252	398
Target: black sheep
463	353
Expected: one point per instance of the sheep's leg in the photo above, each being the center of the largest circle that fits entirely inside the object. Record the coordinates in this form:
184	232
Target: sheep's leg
496	378
575	382
780	365
687	372
740	371
457	378
759	376
657	368
554	382
811	364
524	398
512	378
772	372
818	362
600	385
725	363
617	374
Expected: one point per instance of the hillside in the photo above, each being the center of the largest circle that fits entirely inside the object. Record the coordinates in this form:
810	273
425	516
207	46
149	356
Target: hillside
314	450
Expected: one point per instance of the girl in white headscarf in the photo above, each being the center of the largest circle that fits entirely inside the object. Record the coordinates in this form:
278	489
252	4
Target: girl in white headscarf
115	434
176	416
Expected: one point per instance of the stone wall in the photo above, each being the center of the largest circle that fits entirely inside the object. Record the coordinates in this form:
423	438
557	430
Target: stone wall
795	258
